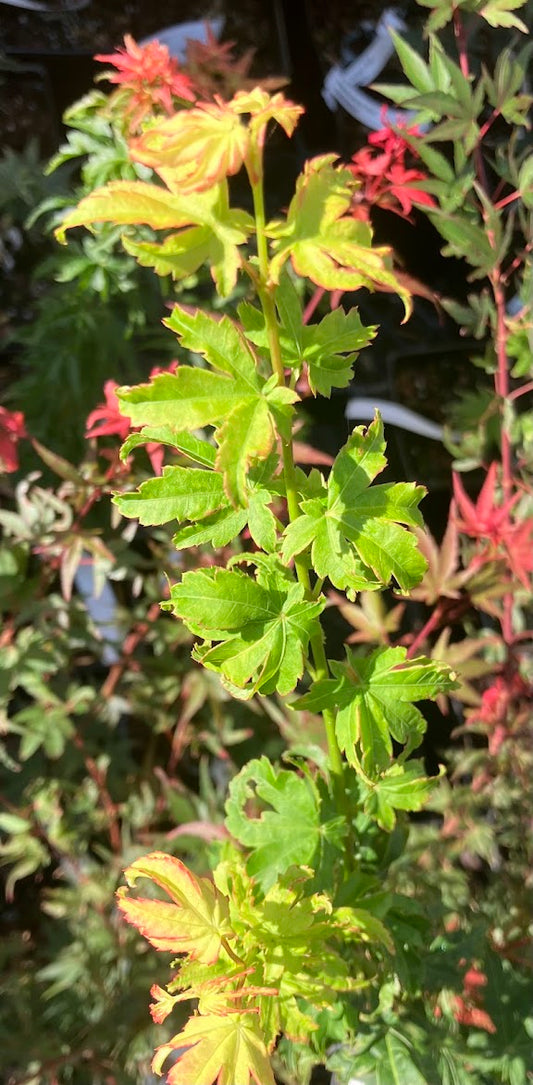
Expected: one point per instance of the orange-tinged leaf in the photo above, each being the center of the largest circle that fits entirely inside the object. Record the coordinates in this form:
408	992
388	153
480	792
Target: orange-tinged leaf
323	240
195	922
264	107
223	1049
195	147
126	203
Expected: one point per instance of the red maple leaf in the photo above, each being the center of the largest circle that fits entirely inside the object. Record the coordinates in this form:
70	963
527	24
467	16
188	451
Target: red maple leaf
491	524
12	430
385	178
106	420
148	77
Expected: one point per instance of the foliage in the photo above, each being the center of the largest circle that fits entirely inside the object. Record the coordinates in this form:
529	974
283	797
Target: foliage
319	926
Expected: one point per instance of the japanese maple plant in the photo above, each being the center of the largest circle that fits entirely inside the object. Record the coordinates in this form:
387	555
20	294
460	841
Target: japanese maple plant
293	935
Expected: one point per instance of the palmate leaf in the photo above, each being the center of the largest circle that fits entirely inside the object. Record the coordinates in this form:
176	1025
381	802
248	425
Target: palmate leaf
209	229
197	920
354	529
283	835
214	240
325	243
194	148
329	348
225	1049
401	787
246	409
263	632
374	696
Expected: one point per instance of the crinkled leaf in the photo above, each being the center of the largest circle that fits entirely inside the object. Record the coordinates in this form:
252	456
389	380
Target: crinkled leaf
210	231
263	631
247	436
219	341
329	347
194	149
227	1049
374	696
129	203
281	836
356	533
325	243
215	237
195	922
247	410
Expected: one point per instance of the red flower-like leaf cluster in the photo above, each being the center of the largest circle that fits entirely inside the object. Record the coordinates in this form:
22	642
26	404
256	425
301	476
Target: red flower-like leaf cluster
148	77
501	704
106	420
468	1009
494	529
385	179
12	430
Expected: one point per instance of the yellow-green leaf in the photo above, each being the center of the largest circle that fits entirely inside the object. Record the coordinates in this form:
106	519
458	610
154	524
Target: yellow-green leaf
197	920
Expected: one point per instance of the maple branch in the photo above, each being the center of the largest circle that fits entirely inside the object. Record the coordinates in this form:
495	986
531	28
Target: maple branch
317	640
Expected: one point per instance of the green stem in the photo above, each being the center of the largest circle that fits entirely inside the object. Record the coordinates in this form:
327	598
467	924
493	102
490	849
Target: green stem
266	296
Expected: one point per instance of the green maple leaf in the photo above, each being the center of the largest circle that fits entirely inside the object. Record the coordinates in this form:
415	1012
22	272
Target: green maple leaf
374	696
263	632
209	230
226	1048
245	409
329	347
354	529
283	835
401	787
180	493
194	448
325	243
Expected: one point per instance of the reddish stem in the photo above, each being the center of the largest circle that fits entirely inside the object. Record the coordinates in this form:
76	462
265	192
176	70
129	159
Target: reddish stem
431	624
130	644
312	304
528	387
99	778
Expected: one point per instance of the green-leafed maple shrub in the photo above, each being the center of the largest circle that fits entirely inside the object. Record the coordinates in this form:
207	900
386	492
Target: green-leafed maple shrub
307	924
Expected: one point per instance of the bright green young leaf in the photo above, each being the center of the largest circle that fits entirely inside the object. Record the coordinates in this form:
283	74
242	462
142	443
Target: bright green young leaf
355	531
401	787
224	1048
247	410
263	632
499	13
189	398
219	341
325	243
194	448
197	920
180	493
218	529
374	696
286	833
